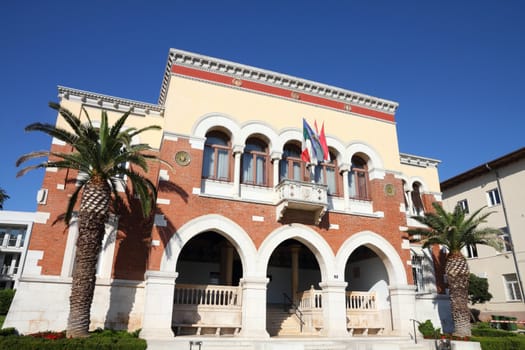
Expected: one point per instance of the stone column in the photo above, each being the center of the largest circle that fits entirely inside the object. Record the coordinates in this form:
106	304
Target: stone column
158	304
334	308
237	153
276	157
344	169
403	305
294	249
254	307
12	266
227	264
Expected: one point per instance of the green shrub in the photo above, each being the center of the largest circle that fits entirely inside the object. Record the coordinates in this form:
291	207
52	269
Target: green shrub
6	297
98	340
427	329
501	343
8	331
491	332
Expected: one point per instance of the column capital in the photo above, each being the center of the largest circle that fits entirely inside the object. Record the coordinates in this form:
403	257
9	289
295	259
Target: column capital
160	277
238	148
254	282
344	167
276	155
325	285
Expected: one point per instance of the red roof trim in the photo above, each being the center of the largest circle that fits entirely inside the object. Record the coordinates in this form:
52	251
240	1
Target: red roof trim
277	91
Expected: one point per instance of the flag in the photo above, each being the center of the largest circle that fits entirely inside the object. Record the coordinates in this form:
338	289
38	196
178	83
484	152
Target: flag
312	152
324	145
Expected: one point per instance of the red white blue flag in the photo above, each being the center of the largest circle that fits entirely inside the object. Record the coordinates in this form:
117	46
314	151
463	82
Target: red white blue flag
312	150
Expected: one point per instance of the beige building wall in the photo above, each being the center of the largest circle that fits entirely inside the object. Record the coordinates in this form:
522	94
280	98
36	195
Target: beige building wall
489	263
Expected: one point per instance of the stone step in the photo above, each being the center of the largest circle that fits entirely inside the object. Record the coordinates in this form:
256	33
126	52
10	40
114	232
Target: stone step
305	343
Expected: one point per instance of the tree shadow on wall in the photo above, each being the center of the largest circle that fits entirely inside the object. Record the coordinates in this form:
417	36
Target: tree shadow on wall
133	243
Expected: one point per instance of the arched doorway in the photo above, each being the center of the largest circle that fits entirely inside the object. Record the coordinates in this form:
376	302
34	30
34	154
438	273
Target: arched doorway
293	277
367	293
207	297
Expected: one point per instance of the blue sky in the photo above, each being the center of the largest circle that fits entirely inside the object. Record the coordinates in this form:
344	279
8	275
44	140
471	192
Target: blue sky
457	68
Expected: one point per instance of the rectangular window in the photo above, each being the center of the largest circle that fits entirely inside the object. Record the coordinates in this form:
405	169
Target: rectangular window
512	287
463	205
507	246
417	273
493	197
472	251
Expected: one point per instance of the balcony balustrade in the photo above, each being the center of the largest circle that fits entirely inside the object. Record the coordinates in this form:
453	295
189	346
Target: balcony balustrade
304	196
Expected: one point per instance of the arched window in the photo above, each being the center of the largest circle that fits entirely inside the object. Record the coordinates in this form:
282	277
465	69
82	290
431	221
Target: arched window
292	167
255	162
326	174
217	155
417	203
358	179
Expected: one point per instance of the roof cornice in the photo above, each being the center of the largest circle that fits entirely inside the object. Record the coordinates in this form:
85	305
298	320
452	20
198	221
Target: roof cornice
419	161
484	168
110	102
244	72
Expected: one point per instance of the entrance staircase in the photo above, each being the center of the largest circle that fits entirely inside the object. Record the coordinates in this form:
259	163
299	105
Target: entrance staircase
282	323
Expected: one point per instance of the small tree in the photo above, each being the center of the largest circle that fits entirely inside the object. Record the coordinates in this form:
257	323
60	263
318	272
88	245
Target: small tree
454	231
478	290
3	197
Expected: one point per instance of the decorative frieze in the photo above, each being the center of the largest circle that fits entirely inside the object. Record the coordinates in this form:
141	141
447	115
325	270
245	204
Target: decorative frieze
110	102
241	72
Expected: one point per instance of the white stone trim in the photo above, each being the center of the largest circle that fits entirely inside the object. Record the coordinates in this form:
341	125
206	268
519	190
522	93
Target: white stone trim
234	233
267	77
379	245
311	239
42	217
107	102
163	201
419	161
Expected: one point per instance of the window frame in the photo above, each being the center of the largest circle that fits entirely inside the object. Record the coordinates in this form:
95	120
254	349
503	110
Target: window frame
493	197
288	161
359	174
216	149
256	155
512	288
464	205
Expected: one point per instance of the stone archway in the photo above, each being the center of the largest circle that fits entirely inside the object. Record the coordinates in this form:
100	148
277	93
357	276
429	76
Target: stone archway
160	285
390	293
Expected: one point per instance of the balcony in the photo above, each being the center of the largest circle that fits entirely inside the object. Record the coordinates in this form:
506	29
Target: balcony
304	196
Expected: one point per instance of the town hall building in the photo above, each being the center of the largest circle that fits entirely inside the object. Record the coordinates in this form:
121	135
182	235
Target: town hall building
248	239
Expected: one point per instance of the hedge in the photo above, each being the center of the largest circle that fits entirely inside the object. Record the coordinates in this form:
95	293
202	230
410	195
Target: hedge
500	343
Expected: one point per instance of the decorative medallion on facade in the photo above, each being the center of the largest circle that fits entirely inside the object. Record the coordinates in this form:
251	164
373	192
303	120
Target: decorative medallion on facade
182	158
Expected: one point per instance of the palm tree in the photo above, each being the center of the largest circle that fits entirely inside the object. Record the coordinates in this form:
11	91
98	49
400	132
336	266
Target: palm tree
455	231
100	154
3	197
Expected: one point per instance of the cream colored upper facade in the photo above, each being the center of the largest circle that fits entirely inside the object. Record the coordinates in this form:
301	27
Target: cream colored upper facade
479	187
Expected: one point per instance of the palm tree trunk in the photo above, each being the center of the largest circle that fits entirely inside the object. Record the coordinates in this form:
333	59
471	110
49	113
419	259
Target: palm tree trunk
457	271
93	214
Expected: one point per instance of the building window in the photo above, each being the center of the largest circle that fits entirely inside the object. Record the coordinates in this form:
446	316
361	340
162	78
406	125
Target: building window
417	202
472	251
217	155
358	179
417	272
255	162
291	166
512	287
505	237
463	204
493	197
326	174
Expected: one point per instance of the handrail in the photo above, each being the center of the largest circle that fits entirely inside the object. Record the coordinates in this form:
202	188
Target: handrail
298	312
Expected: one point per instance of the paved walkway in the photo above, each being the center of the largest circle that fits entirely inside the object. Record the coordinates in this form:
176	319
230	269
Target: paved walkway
290	343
